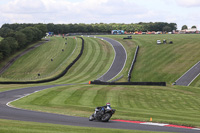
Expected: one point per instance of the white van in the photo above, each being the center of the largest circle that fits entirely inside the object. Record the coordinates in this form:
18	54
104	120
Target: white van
158	42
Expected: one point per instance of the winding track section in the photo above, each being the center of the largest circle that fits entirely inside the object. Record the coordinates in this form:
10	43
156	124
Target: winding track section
12	113
189	76
118	62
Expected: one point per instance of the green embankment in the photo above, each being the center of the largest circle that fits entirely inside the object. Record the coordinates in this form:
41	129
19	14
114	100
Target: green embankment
8	126
95	61
163	62
38	61
177	105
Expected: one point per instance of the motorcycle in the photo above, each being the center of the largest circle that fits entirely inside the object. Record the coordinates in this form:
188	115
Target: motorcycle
102	114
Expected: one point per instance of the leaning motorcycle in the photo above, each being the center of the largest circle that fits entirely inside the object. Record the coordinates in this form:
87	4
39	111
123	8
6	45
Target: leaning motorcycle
102	115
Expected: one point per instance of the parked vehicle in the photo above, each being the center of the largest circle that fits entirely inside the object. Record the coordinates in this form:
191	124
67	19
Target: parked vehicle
128	37
158	42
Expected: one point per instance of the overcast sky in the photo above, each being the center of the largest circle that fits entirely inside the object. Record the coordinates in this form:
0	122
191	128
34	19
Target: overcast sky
95	11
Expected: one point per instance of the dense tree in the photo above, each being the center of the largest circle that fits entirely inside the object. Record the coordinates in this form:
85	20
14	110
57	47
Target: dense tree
184	27
91	28
29	34
167	29
194	26
5	32
13	44
5	48
1	56
50	27
42	28
18	36
21	39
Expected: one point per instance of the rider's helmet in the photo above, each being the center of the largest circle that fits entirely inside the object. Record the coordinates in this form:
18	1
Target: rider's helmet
108	104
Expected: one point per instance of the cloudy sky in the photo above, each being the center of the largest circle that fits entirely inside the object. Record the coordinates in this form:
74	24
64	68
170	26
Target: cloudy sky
95	11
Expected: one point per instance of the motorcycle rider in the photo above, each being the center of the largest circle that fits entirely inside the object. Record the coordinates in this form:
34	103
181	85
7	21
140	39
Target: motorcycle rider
102	108
103	113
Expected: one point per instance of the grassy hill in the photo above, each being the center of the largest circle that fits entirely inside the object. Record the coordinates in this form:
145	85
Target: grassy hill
163	62
171	104
39	60
96	60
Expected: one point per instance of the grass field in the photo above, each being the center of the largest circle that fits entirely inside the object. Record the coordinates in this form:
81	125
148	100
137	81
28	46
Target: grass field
162	62
177	105
95	61
171	104
8	126
39	60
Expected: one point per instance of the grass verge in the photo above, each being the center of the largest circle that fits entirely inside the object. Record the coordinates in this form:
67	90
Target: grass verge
11	126
174	105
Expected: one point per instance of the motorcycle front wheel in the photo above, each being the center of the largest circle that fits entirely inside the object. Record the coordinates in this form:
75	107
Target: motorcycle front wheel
91	118
106	117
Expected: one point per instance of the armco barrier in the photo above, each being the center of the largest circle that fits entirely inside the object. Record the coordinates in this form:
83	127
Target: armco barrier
132	65
97	82
50	79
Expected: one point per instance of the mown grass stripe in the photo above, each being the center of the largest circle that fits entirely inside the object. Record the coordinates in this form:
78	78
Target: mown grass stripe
65	94
92	62
39	60
101	64
75	96
88	96
101	97
87	57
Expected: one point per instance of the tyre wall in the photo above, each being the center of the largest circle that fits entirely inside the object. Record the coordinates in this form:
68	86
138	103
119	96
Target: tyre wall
97	82
133	63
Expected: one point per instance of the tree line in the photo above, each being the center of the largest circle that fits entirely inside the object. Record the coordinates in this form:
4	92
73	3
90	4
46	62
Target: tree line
106	28
99	27
18	36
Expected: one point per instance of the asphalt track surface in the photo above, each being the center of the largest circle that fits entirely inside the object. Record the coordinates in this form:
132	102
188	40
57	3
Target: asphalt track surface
12	113
119	60
189	76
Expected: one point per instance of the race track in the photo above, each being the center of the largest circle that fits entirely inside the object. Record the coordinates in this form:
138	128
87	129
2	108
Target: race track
189	76
119	60
11	113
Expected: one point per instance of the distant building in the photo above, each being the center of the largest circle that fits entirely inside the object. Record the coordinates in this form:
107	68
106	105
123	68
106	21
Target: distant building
49	34
189	31
119	32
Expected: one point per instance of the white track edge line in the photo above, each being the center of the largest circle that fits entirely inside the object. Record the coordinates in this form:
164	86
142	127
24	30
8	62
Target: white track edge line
187	71
114	58
154	124
25	95
193	80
